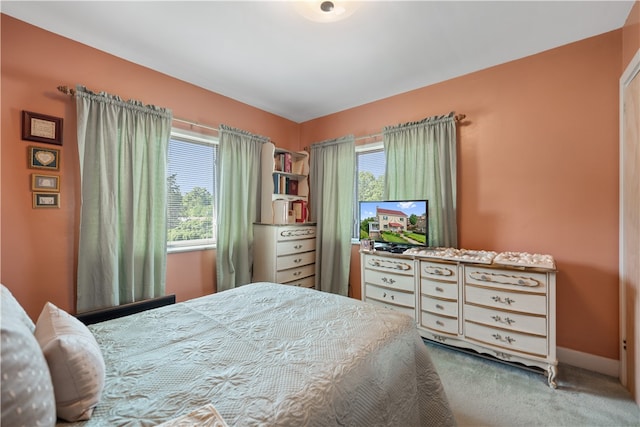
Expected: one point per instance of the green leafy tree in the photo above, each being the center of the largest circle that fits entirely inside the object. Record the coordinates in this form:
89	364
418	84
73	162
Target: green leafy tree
369	187
198	203
413	219
175	208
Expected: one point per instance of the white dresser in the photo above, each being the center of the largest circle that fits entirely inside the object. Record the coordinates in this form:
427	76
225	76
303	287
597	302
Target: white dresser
506	311
285	254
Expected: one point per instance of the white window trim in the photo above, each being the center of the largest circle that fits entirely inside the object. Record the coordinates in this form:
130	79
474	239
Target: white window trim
206	244
372	146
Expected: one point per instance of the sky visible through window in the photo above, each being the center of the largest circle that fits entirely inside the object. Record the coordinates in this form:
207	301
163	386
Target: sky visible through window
181	162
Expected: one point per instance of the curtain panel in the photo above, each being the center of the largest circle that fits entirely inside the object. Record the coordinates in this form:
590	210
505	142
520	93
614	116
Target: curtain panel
238	176
332	180
421	163
122	147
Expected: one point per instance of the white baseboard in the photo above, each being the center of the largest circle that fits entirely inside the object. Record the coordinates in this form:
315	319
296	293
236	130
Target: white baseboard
588	361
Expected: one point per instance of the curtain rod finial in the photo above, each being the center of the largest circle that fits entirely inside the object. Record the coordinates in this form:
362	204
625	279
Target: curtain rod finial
66	90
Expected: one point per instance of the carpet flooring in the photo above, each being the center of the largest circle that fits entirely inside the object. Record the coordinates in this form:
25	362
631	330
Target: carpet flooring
485	392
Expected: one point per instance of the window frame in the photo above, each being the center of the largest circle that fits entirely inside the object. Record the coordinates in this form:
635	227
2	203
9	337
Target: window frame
195	244
360	149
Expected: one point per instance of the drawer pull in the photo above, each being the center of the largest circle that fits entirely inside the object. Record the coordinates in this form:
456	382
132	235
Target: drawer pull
393	297
439	289
507	300
388	281
297	261
439	307
506	320
297	247
297	273
506	339
439	323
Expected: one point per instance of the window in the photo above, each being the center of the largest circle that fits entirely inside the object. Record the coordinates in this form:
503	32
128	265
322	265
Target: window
370	164
191	191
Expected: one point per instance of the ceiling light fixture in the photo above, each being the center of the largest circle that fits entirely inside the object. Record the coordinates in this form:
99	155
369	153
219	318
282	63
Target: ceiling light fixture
326	10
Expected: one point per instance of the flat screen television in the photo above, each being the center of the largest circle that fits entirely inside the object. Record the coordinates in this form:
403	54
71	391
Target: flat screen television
395	225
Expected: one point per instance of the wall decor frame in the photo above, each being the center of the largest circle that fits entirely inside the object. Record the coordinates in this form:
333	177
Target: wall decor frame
44	158
41	128
46	200
50	183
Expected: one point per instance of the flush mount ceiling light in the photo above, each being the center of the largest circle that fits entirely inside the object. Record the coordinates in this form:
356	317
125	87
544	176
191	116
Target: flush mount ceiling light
326	10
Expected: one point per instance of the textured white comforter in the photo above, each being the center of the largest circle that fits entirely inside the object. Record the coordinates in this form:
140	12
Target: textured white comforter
269	355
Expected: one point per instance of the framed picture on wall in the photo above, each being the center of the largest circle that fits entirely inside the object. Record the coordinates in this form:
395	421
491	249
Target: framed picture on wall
45	182
41	128
46	200
44	158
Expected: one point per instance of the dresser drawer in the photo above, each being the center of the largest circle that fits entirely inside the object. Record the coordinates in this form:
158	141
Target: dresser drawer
389	280
439	289
306	282
439	323
295	246
507	320
525	281
406	310
390	296
437	271
394	265
295	233
512	340
446	308
513	301
295	260
294	274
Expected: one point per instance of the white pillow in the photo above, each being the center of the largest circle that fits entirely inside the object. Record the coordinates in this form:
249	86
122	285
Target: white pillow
12	307
27	393
75	362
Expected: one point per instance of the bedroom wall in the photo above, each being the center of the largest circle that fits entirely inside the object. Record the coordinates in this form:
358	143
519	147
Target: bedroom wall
39	245
537	170
631	35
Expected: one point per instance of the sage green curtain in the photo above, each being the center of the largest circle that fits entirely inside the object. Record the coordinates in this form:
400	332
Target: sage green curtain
332	182
421	163
122	251
238	175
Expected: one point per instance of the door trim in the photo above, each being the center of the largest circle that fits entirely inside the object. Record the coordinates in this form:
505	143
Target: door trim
627	77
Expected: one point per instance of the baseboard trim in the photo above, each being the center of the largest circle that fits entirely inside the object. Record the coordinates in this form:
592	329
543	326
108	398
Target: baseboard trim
588	361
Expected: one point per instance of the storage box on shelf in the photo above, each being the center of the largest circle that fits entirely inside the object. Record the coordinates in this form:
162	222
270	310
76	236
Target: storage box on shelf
284	185
498	304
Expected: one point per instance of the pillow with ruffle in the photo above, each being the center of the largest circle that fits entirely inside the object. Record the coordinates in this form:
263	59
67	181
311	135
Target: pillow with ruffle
27	392
75	362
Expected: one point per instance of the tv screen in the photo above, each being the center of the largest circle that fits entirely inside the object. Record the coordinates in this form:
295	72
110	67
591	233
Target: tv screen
395	225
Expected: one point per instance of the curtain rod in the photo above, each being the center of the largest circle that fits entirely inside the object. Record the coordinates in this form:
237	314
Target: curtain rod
70	91
458	118
66	90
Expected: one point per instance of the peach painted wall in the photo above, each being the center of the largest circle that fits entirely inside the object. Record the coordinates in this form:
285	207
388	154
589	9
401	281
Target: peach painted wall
39	246
537	170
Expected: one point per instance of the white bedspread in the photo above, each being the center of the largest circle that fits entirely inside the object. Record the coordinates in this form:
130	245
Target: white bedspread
269	355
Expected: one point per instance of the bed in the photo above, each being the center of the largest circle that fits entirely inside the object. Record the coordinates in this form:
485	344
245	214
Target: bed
266	354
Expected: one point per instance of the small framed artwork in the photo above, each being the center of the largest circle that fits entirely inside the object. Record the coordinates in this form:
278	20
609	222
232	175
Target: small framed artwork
46	200
45	182
44	158
367	245
41	128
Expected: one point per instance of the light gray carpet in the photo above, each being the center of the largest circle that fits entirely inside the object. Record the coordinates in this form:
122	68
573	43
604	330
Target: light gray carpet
489	393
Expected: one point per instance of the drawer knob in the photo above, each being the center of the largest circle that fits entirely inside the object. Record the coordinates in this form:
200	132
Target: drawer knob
439	289
297	273
393	297
388	281
297	261
506	339
297	247
439	307
506	320
439	323
507	300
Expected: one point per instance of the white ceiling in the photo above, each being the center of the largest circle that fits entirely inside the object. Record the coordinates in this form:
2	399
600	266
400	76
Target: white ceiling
265	54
